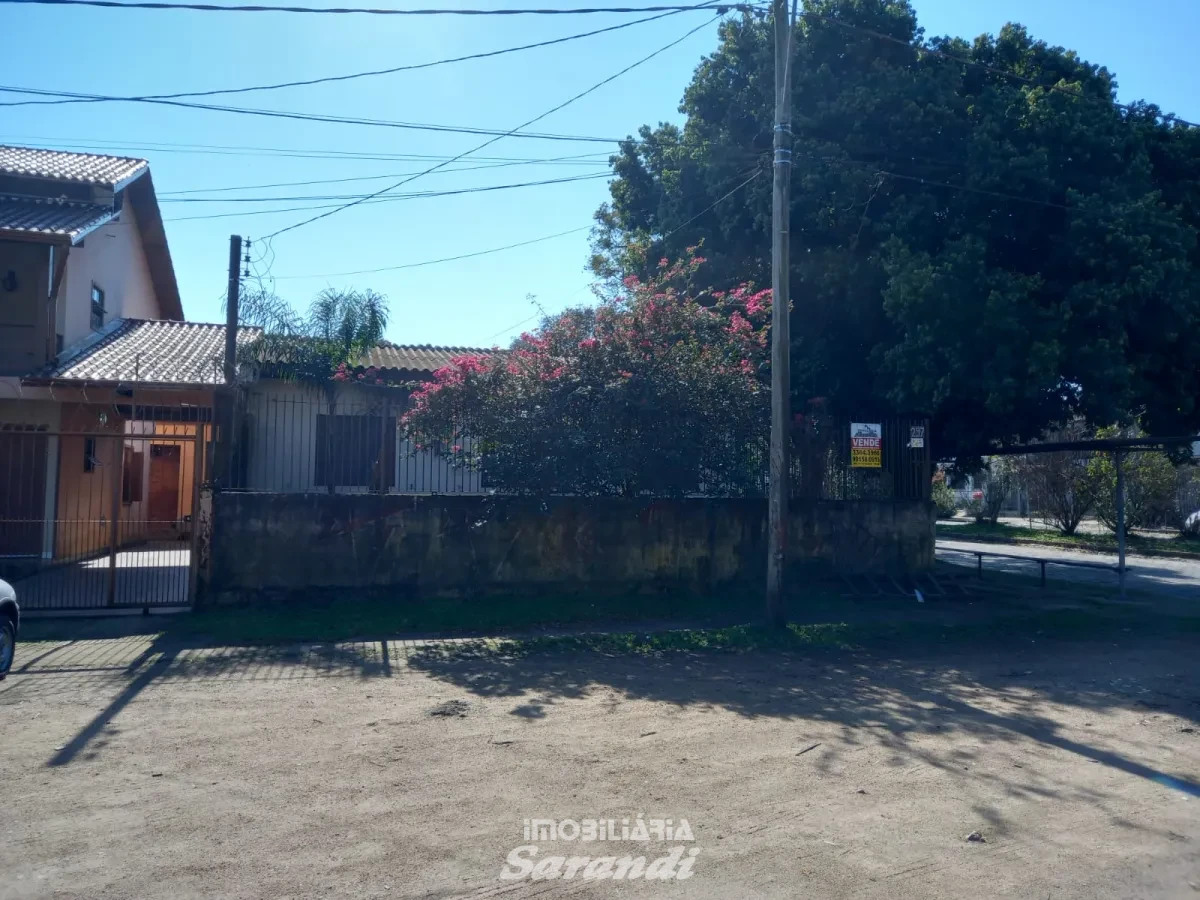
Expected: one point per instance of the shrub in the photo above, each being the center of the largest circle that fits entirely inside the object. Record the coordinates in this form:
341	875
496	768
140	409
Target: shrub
943	498
999	479
1150	486
1062	487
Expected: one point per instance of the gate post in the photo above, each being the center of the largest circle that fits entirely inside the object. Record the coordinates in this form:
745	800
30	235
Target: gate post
198	457
114	533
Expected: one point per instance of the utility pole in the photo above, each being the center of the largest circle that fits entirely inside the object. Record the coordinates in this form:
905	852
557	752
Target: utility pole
781	386
232	297
226	395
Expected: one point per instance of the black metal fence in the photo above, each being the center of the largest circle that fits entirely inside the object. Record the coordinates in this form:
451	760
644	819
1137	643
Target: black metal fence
93	520
295	438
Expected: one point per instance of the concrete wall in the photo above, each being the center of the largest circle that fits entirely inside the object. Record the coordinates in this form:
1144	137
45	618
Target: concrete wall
305	542
112	258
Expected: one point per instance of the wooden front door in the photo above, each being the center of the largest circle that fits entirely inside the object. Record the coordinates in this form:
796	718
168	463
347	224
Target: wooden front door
163	504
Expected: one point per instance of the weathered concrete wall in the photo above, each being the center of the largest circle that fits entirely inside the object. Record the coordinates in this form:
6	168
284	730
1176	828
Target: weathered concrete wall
286	542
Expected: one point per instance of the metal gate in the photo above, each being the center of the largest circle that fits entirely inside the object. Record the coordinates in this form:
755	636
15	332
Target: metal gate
100	520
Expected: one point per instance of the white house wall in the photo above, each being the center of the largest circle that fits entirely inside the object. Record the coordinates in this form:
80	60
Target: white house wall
111	258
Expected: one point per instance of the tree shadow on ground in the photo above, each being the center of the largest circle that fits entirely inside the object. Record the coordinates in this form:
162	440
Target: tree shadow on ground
130	665
1006	695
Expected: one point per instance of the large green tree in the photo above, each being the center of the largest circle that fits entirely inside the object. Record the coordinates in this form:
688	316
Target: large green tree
999	252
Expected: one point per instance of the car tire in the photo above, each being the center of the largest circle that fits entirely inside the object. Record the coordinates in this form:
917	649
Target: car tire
8	644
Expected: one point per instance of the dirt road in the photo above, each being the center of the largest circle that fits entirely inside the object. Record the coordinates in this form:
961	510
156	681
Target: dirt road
135	768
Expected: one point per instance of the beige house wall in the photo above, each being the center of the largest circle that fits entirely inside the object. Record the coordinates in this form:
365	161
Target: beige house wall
111	258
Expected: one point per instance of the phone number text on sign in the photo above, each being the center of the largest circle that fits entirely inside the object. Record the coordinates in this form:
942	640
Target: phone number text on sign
866	445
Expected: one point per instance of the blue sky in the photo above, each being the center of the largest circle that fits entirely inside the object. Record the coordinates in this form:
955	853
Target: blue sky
474	302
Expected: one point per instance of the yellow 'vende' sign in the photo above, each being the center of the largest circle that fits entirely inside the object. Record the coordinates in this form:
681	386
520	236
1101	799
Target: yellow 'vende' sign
866	445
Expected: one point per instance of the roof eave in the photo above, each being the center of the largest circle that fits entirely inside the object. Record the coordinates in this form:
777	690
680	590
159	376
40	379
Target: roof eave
90	227
29	381
35	237
154	243
128	179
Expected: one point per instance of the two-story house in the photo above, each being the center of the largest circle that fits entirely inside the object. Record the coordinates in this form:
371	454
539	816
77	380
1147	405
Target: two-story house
107	396
83	264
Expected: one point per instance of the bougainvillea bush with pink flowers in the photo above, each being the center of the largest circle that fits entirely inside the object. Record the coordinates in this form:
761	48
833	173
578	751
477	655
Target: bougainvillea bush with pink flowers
661	391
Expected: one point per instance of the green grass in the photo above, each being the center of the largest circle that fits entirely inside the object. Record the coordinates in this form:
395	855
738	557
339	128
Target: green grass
1102	543
349	615
1012	613
906	637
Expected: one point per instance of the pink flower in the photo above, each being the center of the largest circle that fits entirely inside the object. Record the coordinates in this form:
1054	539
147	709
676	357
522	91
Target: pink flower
758	302
739	323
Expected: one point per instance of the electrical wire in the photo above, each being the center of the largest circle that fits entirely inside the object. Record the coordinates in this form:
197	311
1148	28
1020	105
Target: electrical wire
375	11
405	196
163	196
371	73
430	262
310	117
537	240
513	131
708	208
287	153
377	198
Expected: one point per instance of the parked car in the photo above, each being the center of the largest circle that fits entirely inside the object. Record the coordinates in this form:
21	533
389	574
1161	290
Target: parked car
1191	525
10	624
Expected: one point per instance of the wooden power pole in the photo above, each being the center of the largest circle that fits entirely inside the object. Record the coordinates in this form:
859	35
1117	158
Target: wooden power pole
232	299
226	396
777	501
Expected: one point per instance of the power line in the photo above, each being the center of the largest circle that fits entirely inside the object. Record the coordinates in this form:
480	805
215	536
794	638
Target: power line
513	131
309	117
373	11
405	196
547	237
288	153
430	262
757	172
164	196
367	74
378	198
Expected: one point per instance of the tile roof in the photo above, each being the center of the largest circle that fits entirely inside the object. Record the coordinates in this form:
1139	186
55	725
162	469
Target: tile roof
415	357
77	168
185	353
149	350
51	216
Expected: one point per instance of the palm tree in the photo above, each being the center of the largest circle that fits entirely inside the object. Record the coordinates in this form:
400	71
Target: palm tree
341	326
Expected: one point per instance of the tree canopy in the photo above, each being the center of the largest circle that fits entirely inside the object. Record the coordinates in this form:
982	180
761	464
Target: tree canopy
999	251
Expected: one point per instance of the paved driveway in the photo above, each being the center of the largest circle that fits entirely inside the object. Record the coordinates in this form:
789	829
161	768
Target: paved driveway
1177	577
152	575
